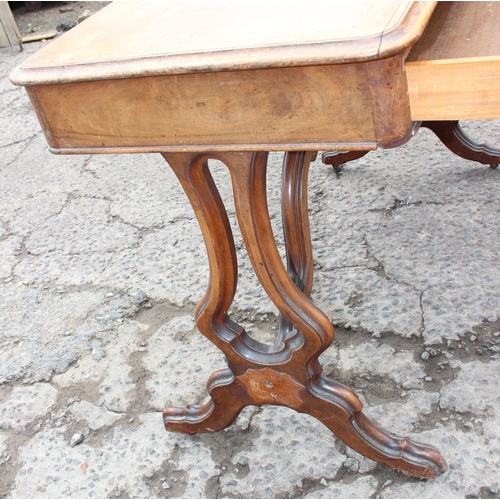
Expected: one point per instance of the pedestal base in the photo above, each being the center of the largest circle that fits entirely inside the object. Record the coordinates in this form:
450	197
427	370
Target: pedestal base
287	373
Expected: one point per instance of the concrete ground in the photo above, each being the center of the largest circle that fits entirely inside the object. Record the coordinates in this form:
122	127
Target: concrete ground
102	262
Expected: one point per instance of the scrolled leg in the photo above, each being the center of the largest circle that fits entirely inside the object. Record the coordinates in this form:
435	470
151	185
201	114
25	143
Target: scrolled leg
228	397
289	373
339	158
451	134
327	402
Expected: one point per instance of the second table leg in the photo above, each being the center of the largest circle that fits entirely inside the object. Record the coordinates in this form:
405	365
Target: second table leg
287	373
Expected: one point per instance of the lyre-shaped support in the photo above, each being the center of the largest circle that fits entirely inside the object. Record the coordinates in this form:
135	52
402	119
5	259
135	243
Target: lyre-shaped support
287	373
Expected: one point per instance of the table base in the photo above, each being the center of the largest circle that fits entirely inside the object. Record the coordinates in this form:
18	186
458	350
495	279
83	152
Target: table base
287	373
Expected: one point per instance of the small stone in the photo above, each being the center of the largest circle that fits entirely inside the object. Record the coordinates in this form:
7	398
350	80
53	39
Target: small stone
352	464
243	461
425	355
84	15
494	488
428	379
165	485
76	439
66	25
472	338
299	483
323	482
404	394
480	463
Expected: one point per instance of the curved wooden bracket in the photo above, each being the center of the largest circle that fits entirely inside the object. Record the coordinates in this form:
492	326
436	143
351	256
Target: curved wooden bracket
339	158
288	373
451	134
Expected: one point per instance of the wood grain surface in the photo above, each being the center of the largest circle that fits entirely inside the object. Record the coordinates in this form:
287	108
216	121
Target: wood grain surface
349	106
454	69
157	38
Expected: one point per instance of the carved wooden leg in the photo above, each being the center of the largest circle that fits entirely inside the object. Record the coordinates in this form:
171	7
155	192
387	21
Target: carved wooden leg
229	395
296	225
287	373
339	158
456	140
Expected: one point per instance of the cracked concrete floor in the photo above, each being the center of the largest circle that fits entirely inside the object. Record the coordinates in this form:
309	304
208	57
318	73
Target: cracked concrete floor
98	286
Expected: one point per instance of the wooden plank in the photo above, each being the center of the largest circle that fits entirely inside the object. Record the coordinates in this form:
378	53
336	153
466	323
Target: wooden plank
39	36
459	30
453	71
9	32
455	89
211	36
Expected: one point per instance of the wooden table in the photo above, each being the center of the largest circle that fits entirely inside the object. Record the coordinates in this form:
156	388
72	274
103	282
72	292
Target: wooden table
233	81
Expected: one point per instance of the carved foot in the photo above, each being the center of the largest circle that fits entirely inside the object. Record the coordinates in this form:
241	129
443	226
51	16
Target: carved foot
457	141
339	158
333	404
339	409
228	398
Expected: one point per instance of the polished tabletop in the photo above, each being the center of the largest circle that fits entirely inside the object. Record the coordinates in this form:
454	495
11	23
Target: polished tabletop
166	37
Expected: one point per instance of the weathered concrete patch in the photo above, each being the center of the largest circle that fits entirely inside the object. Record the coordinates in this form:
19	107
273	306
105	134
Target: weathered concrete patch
125	464
363	298
3	445
56	329
39	340
476	389
26	404
62	268
382	360
83	226
9	248
364	487
402	418
108	366
180	360
95	416
162	265
276	461
446	315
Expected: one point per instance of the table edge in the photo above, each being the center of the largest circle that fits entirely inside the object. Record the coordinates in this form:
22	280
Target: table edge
389	43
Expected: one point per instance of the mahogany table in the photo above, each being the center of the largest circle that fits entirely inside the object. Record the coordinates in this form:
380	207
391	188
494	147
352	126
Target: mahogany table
233	81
